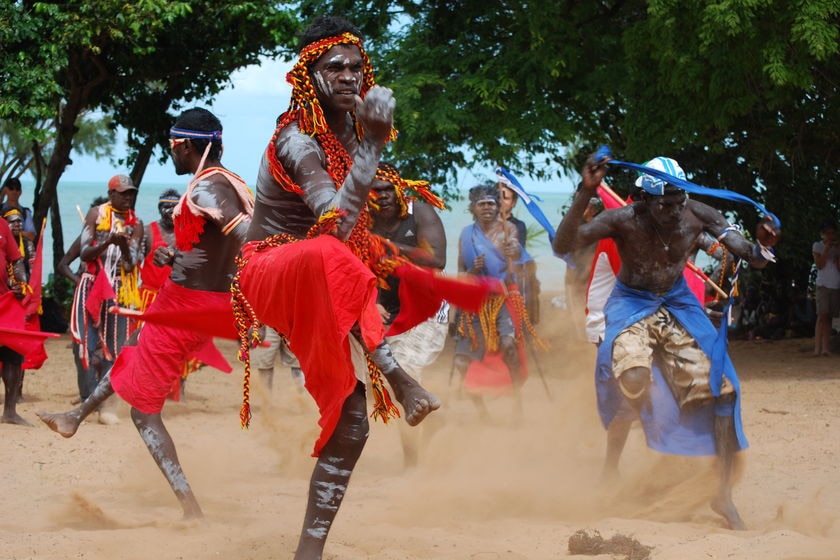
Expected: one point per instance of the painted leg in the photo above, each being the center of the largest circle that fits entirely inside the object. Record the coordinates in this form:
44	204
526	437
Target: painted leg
160	445
12	381
726	445
66	423
617	435
417	402
331	475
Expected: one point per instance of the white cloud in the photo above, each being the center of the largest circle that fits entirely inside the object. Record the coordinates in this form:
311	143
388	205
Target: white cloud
267	78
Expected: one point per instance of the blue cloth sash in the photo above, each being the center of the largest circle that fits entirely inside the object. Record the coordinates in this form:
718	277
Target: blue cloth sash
473	242
667	428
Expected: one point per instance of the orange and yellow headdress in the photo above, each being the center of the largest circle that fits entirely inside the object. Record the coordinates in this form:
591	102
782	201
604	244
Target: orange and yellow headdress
306	111
304	102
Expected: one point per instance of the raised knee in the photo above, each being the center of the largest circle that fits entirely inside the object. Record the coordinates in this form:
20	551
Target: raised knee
634	382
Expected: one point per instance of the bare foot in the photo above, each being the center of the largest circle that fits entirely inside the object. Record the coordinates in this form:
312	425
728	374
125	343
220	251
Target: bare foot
65	423
14	419
727	510
416	401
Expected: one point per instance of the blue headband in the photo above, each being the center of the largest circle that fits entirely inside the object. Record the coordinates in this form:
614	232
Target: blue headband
176	132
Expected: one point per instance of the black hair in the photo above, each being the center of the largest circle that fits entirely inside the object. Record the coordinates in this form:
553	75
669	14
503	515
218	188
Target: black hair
202	120
170	193
327	26
12	183
484	191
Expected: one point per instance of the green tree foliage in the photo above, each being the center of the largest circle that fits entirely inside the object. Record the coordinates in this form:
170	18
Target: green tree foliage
741	92
133	60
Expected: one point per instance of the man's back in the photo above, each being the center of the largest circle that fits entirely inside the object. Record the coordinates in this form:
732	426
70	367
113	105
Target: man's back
210	263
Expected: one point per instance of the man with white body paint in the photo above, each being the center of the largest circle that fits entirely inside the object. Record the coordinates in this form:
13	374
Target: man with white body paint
211	221
308	269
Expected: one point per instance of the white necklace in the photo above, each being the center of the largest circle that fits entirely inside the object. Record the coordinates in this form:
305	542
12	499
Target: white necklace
667	245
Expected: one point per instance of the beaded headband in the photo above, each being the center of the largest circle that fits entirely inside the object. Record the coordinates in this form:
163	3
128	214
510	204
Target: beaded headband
406	190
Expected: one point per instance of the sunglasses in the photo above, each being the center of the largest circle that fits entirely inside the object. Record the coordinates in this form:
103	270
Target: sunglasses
175	141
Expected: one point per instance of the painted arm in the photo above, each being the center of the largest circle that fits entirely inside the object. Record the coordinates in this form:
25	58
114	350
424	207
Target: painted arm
756	254
216	192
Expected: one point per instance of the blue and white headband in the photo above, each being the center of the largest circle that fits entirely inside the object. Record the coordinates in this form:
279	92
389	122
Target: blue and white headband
681	183
176	132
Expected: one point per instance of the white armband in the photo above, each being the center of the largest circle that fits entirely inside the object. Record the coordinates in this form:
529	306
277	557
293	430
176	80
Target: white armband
727	230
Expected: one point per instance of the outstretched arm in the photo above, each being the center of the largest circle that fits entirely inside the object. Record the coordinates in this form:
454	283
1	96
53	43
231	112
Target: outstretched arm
756	254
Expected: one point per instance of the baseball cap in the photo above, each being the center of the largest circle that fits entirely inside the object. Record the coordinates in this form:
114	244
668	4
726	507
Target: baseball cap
121	183
654	185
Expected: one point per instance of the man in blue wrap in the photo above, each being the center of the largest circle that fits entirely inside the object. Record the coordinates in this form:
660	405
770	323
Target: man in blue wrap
659	346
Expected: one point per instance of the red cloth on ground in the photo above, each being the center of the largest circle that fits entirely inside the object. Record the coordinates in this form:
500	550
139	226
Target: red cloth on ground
143	375
313	291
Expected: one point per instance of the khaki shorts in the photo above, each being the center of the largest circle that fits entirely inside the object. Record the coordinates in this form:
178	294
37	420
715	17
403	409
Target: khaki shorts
684	365
828	301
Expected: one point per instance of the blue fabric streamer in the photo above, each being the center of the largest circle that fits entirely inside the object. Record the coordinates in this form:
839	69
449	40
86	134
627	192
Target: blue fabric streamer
506	177
688	186
509	180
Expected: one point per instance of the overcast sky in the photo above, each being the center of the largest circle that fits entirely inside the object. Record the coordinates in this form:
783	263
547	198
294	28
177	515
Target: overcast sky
248	111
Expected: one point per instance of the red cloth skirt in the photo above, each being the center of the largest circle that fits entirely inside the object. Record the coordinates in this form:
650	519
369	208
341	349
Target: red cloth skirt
143	375
313	291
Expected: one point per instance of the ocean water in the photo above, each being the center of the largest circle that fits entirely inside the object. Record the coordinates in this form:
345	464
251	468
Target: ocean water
76	197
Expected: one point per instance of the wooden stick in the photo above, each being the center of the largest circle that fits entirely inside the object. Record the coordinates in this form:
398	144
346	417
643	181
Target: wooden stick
690	264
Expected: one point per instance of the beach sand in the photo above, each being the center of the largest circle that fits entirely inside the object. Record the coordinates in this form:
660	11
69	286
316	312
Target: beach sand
494	491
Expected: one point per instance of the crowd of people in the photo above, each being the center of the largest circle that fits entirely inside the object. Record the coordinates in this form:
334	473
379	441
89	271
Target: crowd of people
334	262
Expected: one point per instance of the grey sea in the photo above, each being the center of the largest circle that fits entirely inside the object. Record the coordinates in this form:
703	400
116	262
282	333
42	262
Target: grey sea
76	197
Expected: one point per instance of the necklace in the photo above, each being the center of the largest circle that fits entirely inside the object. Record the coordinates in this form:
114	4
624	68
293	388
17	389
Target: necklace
667	245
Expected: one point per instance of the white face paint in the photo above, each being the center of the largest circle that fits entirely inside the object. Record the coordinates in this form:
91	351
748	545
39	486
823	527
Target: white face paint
339	74
323	87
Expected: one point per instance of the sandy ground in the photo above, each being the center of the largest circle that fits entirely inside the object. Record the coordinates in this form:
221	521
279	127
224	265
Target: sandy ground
481	492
